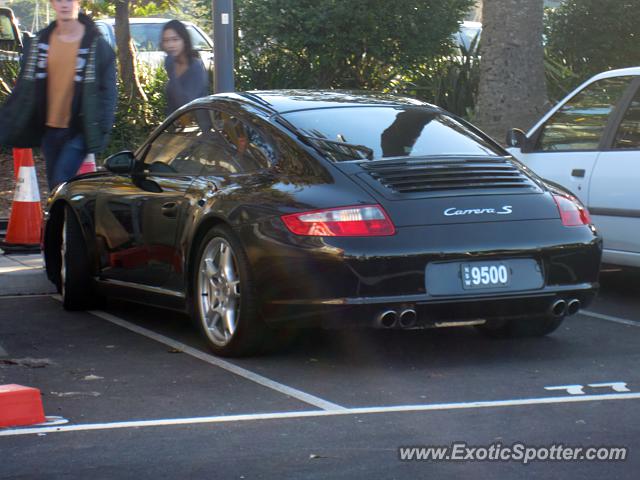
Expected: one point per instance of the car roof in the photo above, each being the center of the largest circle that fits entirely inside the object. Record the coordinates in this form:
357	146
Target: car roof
621	72
283	101
111	21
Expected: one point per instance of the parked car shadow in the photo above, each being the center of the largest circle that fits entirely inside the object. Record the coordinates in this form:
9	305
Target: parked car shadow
619	281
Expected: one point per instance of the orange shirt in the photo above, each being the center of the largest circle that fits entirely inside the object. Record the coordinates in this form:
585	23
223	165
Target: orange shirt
61	72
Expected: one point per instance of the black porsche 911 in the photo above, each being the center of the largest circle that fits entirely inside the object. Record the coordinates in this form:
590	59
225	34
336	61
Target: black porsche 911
261	211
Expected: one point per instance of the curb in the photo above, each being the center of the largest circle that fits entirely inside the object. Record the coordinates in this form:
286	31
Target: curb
23	275
31	281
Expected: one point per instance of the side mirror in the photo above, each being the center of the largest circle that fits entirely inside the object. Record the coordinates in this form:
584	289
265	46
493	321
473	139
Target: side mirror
516	138
120	163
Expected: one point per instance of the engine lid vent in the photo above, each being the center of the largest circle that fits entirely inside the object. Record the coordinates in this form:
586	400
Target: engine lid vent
438	175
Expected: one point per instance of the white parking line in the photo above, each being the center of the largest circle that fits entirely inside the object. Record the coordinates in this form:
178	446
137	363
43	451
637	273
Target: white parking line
218	362
31	295
609	318
322	413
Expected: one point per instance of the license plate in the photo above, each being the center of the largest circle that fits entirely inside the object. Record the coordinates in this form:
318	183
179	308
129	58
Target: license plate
485	275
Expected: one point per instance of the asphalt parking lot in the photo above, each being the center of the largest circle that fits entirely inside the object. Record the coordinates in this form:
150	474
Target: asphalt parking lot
142	397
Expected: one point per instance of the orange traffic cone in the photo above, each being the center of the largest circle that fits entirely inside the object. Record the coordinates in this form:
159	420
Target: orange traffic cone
17	158
20	406
89	164
25	222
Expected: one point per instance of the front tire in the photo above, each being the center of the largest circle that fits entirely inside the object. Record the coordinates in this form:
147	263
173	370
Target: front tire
75	279
522	327
224	299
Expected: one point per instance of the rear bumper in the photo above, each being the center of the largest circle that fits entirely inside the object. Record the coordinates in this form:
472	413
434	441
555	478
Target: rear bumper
348	281
366	311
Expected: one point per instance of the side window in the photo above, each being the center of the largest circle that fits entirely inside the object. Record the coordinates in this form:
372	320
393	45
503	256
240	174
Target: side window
250	149
197	40
579	124
6	29
628	135
173	150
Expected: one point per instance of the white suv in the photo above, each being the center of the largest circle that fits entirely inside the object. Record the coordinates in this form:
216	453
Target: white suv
146	33
590	144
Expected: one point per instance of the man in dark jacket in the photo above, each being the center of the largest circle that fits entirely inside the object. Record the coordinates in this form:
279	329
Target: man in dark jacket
65	96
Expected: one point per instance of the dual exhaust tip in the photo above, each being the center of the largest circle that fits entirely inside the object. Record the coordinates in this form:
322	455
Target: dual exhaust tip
406	318
561	308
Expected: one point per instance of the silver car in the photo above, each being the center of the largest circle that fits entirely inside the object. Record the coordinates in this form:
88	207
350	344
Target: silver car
146	33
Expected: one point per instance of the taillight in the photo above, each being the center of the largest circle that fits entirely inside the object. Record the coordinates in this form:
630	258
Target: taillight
571	210
360	221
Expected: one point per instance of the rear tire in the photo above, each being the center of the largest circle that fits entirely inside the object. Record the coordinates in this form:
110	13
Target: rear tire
224	299
525	327
75	284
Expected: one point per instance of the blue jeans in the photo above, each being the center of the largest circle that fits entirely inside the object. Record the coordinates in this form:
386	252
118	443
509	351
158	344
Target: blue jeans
63	153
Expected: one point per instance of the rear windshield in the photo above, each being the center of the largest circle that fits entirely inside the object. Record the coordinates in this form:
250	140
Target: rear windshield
391	131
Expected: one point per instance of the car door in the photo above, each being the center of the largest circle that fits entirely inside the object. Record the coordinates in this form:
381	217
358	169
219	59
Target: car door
233	154
565	147
614	199
138	215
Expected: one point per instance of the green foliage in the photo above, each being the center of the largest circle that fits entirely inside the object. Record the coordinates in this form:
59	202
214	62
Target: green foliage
9	70
196	11
341	44
560	78
590	36
135	122
137	8
450	82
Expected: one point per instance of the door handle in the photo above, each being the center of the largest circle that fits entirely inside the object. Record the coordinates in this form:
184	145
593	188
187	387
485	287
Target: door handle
578	172
170	209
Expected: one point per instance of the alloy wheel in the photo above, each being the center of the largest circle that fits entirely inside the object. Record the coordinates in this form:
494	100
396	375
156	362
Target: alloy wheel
219	291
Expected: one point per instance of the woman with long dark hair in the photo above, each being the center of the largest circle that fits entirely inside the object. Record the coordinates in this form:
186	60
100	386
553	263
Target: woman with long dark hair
186	72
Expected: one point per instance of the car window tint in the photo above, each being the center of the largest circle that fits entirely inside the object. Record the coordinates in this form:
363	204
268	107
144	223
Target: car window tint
580	122
389	132
250	149
172	151
628	135
212	150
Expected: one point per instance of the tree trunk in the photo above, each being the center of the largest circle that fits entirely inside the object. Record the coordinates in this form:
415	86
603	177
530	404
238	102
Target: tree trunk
126	55
512	90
